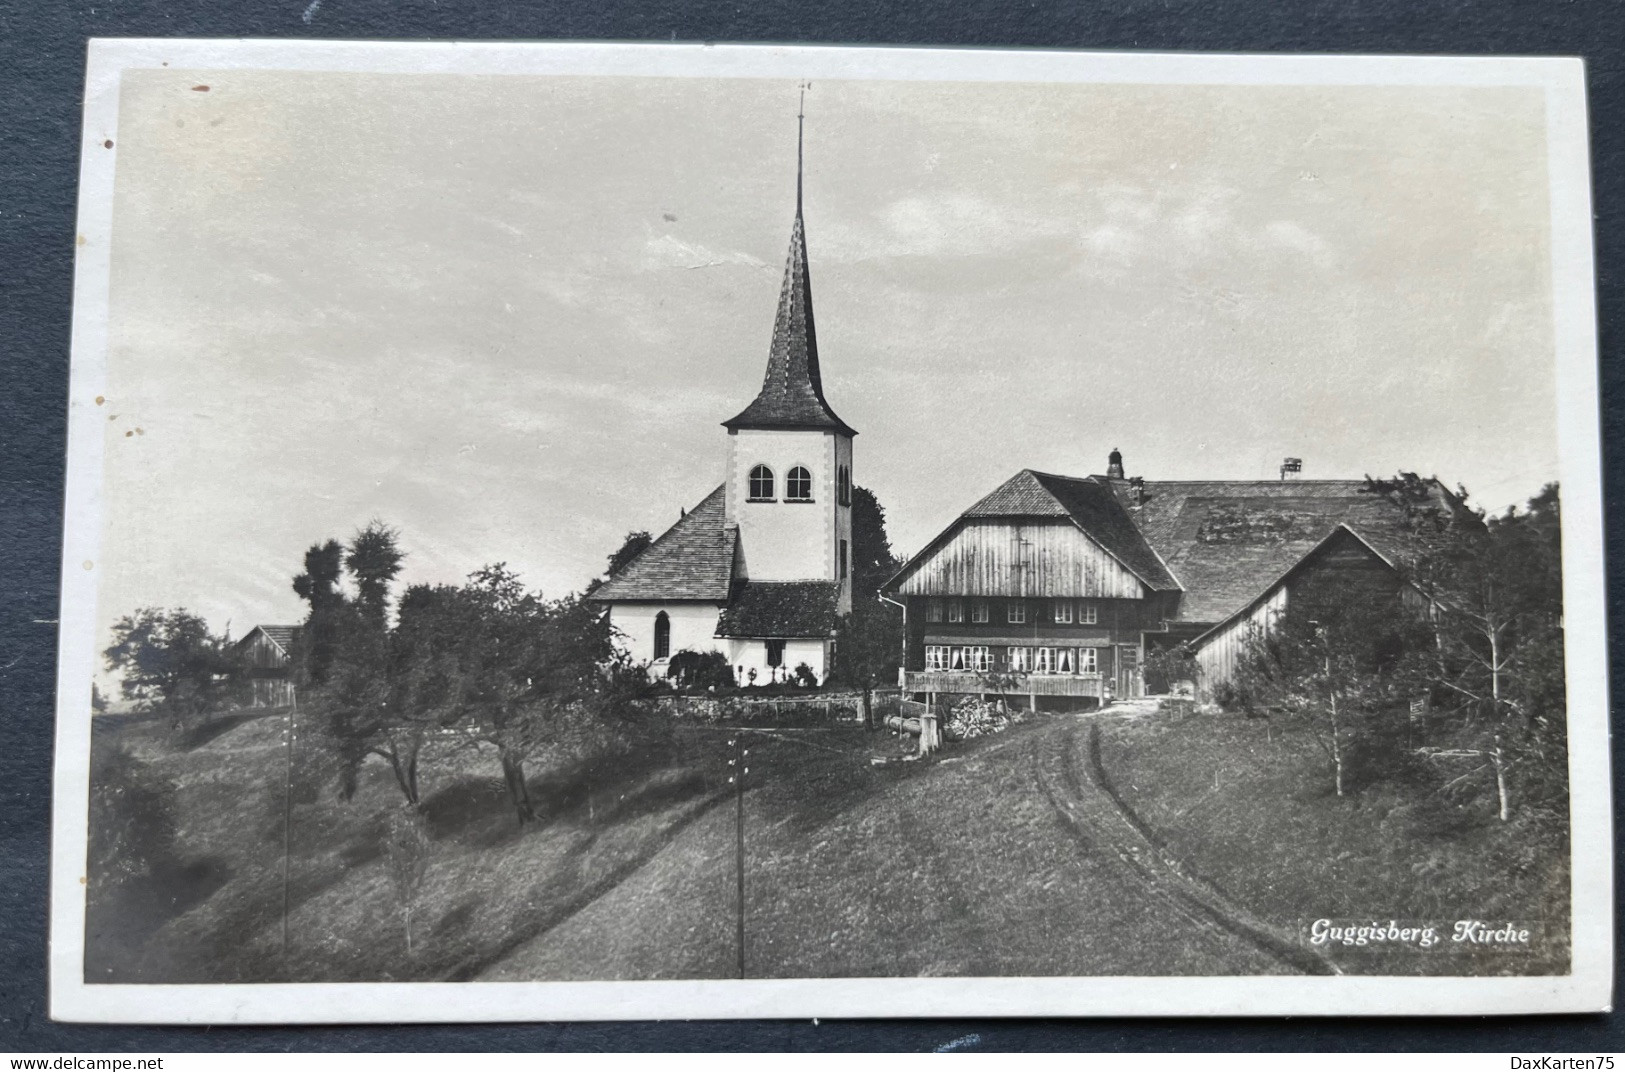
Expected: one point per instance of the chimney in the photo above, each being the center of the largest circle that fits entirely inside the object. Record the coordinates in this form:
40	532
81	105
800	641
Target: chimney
1114	464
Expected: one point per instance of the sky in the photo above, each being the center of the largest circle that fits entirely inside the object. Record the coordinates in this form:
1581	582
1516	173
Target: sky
506	314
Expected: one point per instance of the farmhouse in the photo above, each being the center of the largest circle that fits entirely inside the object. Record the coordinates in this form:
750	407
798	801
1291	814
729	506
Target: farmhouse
759	569
1055	589
268	653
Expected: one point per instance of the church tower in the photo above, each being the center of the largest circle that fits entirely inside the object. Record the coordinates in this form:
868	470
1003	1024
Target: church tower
789	475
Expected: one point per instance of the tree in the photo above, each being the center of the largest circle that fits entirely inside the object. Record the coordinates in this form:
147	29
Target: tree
342	657
1497	594
512	668
872	560
169	661
1330	664
871	636
407	847
319	587
373	559
634	545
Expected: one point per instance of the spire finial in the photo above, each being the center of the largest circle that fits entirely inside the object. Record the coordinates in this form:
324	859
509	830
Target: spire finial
801	124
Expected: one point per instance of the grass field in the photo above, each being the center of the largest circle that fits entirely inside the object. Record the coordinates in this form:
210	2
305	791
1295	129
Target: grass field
1003	855
1252	810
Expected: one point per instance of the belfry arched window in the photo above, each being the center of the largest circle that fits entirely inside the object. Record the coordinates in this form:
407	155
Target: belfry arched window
798	484
761	482
662	636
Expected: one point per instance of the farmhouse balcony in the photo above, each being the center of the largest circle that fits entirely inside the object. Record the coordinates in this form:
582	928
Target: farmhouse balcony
1004	684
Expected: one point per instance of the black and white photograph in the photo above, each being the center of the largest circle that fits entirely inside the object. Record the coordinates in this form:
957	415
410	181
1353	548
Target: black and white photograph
759	531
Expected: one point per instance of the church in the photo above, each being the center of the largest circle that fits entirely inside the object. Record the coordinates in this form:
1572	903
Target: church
759	569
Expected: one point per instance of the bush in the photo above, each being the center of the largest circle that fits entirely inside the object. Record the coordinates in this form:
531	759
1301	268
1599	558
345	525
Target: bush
804	676
132	827
700	670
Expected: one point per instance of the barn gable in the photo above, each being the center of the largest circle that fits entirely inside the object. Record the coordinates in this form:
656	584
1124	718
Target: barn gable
1039	534
1031	557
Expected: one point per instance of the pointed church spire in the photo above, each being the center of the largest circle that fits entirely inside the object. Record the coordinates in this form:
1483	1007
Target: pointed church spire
792	394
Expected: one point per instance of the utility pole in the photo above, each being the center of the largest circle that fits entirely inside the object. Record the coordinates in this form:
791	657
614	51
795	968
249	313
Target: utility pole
287	820
738	779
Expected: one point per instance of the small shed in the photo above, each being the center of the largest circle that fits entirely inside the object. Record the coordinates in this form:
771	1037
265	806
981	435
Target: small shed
268	653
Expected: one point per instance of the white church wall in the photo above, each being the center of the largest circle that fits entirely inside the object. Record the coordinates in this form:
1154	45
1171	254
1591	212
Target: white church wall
693	628
784	541
748	655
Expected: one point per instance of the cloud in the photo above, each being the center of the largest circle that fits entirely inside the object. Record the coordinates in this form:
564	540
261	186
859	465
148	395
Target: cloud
669	251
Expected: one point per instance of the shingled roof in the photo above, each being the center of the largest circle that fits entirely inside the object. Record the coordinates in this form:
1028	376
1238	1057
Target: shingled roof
282	636
1227	541
694	559
1091	505
792	394
781	609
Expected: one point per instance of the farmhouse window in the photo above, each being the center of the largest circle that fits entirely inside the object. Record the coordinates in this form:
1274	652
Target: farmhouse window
1021	660
1045	661
978	610
976	657
1088	613
775	653
662	635
761	484
936	657
1062	611
1088	661
1016	612
956	611
933	610
798	485
1066	660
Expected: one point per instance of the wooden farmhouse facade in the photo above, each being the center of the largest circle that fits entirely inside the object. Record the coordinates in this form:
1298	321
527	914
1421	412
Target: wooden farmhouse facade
1054	590
760	569
267	651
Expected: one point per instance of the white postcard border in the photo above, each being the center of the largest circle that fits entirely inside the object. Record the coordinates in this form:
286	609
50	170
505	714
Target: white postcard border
1587	988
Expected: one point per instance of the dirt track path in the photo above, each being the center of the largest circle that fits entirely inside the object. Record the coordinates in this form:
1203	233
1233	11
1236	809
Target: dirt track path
1010	856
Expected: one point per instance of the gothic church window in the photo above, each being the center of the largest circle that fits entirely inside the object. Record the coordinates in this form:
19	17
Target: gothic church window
843	486
662	636
761	483
798	485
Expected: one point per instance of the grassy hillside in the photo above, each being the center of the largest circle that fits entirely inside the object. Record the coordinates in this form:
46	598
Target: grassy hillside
1159	846
210	821
1251	809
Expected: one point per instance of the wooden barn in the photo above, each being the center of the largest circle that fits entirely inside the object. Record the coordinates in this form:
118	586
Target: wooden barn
268	650
1054	590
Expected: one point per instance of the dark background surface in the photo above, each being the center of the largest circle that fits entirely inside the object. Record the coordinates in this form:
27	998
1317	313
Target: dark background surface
41	76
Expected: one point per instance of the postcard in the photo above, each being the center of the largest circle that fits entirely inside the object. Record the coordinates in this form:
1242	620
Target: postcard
610	531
